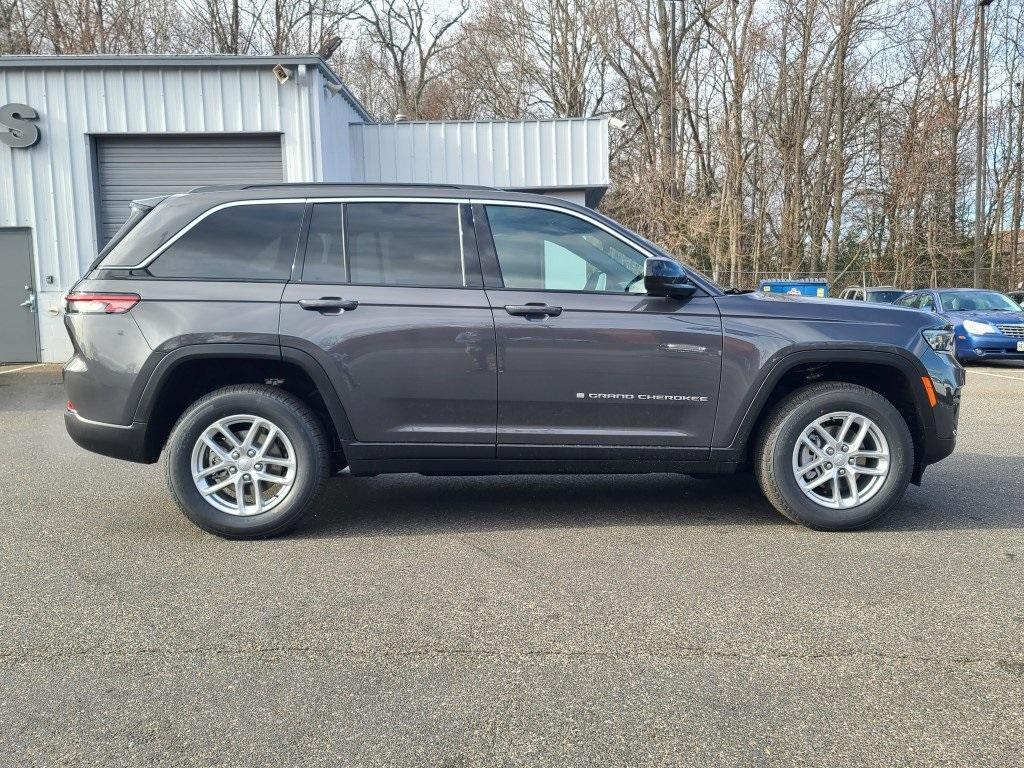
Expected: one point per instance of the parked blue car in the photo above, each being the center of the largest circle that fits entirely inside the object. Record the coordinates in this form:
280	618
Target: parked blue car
988	325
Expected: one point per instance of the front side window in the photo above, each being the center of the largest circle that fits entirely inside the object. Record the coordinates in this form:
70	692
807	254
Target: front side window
240	242
415	244
926	302
546	250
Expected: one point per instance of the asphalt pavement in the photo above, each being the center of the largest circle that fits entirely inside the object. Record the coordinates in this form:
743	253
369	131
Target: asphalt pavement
581	620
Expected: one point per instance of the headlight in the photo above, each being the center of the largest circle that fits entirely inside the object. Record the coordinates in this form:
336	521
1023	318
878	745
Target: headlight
940	340
979	329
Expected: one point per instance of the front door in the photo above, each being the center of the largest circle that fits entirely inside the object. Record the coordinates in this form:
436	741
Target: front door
391	301
586	358
18	324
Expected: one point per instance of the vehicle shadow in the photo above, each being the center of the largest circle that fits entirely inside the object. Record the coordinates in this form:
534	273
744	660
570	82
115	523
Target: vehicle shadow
417	505
400	505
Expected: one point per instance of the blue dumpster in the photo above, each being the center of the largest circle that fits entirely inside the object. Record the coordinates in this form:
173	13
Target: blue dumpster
809	287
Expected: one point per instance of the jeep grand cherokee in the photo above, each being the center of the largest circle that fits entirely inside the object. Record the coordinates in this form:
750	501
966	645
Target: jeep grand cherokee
262	338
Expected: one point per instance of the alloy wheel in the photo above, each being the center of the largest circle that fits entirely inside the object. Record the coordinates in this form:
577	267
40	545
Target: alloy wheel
243	465
841	460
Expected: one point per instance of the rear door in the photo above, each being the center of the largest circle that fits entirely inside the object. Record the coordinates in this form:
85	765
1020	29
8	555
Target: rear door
585	358
390	299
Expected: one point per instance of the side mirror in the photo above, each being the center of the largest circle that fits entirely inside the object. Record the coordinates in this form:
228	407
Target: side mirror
665	277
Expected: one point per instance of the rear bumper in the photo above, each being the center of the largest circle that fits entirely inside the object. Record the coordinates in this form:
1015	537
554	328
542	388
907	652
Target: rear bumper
115	440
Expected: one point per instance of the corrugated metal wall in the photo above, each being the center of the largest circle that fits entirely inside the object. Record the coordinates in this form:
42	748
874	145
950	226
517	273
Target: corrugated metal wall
50	187
540	154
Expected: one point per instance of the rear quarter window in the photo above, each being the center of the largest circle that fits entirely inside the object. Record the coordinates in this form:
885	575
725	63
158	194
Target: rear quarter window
240	242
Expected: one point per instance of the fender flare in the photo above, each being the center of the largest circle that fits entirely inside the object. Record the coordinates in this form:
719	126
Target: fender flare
787	360
165	366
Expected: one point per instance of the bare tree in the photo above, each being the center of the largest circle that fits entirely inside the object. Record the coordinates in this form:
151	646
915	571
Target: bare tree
412	39
763	137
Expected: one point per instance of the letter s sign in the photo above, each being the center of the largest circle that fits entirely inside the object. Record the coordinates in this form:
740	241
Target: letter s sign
22	133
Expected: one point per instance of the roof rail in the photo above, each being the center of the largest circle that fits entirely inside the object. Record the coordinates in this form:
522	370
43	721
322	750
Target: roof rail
273	185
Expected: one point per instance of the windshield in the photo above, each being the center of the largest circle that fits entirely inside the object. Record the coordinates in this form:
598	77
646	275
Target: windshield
884	296
977	301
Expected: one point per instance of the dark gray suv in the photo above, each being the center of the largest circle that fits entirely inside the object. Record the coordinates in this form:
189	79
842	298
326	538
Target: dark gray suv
266	337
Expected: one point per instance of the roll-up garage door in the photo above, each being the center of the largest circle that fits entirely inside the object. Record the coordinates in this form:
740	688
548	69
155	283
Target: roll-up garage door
134	167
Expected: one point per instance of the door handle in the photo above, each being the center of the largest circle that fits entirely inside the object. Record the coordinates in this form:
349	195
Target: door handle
30	302
329	305
533	310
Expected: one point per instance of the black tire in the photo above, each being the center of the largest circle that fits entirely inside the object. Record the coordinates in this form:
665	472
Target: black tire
773	454
294	419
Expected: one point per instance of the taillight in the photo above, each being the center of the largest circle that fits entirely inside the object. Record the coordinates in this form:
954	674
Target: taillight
100	303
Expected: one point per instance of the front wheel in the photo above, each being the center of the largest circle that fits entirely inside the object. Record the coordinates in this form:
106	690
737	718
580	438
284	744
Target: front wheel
247	461
834	456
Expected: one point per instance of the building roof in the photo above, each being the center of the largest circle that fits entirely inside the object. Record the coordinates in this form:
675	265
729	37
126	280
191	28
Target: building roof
189	60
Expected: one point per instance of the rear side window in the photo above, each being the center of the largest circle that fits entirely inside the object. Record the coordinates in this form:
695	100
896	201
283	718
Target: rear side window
241	242
404	244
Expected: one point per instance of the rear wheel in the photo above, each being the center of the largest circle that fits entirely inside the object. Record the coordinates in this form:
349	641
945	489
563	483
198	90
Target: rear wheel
834	456
247	461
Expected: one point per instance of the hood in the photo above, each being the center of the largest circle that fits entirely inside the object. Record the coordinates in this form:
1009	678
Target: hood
986	316
777	305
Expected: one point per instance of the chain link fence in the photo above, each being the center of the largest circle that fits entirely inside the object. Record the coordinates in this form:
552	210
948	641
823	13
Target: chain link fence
906	279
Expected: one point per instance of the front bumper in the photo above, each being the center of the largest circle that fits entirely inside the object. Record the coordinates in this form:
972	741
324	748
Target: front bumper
120	442
987	347
940	421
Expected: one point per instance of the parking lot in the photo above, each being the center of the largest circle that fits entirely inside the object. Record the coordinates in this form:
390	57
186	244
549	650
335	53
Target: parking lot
639	620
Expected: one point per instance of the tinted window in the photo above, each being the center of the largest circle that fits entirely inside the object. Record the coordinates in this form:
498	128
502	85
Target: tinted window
243	242
404	244
325	249
884	296
548	250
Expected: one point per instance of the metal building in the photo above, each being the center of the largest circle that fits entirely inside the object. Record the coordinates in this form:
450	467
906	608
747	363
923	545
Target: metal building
82	136
567	158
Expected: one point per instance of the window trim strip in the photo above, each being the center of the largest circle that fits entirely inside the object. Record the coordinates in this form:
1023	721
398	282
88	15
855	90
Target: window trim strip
484	201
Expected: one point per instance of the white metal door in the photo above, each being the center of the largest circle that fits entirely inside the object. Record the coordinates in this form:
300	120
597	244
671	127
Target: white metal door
18	326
